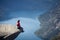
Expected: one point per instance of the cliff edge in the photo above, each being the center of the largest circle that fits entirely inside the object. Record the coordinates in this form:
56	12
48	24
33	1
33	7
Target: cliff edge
8	32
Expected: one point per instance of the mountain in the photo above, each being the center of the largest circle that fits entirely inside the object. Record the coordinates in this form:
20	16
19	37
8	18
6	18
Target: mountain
8	32
50	23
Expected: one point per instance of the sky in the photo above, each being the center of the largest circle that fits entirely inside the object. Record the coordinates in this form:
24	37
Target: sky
24	8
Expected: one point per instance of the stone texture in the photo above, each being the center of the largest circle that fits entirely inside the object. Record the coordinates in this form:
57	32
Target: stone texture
50	23
8	32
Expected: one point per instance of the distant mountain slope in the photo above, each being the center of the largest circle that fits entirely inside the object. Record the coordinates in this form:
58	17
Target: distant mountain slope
50	23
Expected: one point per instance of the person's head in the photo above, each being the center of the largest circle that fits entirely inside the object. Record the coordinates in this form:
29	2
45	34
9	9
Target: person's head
18	20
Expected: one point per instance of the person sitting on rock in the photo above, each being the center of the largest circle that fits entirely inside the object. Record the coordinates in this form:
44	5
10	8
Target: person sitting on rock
19	26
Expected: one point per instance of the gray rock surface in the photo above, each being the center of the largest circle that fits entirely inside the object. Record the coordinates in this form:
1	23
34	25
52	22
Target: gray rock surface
8	32
50	23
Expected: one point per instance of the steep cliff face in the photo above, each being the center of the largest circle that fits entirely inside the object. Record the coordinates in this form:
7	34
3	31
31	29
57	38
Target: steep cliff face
50	23
8	32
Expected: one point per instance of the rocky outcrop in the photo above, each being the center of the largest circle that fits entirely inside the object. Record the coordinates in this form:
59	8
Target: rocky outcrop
8	32
50	23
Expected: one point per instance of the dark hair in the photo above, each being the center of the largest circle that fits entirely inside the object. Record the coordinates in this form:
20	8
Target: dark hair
18	20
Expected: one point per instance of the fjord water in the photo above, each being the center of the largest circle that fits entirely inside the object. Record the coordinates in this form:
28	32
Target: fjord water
29	25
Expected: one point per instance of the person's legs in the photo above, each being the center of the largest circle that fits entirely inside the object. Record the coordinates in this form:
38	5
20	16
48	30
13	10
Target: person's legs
18	27
21	29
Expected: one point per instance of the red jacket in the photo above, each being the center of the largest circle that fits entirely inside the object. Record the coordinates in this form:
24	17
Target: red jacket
18	24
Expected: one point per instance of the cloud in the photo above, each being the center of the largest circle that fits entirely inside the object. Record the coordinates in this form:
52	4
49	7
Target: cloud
4	15
8	6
